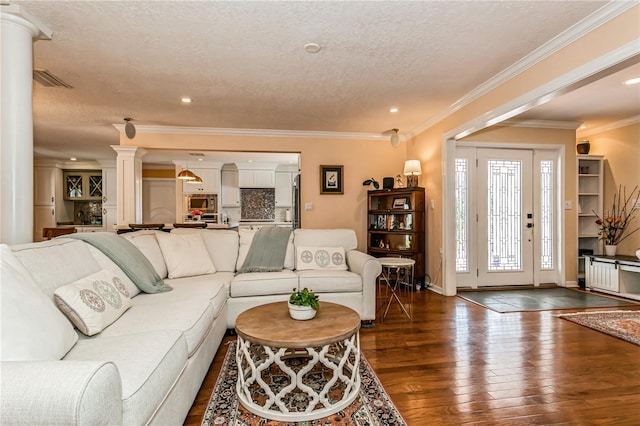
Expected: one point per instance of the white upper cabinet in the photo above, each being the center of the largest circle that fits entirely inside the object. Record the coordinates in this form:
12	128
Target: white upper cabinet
109	191
230	189
210	182
256	178
45	180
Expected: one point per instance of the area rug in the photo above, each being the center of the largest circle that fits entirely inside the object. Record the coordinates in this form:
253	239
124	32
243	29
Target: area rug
624	325
372	407
539	299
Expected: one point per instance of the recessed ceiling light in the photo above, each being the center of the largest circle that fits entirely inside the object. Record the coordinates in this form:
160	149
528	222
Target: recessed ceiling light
73	158
200	159
249	161
632	81
394	109
312	48
186	100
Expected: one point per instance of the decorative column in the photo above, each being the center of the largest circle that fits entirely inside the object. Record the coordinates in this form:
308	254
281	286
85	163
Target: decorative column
18	30
129	184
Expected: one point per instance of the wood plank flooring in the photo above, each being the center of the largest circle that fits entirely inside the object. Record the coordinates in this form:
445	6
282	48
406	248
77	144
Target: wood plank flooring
460	364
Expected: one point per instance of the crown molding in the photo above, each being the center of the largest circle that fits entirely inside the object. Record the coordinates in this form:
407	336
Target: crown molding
219	131
570	35
541	124
17	14
607	127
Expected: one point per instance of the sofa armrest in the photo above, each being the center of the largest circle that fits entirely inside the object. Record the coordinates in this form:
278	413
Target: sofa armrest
368	268
60	393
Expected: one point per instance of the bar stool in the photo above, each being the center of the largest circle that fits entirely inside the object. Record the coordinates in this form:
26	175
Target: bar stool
403	269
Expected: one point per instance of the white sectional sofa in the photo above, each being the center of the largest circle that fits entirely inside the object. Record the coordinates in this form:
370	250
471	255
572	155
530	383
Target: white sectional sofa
141	359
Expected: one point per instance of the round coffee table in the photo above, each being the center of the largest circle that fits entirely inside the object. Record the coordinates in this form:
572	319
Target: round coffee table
328	344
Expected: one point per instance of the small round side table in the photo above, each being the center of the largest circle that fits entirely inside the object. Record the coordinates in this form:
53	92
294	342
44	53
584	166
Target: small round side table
403	269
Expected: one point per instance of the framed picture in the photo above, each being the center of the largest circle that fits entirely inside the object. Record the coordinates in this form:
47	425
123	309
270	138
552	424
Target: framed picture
331	178
400	203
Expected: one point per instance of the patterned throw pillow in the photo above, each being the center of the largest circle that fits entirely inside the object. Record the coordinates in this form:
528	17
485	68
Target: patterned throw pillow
320	258
94	302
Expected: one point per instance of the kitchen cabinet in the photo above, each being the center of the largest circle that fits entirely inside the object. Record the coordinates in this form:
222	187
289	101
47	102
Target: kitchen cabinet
619	275
396	226
109	183
44	181
284	189
230	188
109	216
256	178
49	205
43	217
83	185
590	182
210	182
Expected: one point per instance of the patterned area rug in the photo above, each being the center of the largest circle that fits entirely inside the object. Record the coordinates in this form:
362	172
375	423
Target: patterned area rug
372	407
624	325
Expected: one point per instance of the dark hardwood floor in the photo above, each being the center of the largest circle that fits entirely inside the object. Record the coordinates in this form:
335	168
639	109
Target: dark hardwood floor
459	363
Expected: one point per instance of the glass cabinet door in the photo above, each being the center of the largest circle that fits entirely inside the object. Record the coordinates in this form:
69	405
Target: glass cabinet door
73	186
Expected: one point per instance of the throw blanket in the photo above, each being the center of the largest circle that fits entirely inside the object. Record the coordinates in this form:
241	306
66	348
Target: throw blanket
128	258
267	251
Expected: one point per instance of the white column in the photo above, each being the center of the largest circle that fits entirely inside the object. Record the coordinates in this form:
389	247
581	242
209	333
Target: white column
129	184
17	31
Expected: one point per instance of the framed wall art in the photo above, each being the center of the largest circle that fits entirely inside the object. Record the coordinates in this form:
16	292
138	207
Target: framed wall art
331	179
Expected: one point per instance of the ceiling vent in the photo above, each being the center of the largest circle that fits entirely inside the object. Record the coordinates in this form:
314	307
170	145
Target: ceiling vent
196	154
47	79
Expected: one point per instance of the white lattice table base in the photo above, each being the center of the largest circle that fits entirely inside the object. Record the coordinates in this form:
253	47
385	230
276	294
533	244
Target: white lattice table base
340	359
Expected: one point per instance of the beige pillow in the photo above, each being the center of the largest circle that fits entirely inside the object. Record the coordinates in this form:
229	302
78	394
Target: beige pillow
185	255
320	258
147	243
95	302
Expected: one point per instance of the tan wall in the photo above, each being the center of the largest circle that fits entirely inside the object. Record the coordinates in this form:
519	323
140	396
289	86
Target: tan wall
159	173
621	150
428	145
362	159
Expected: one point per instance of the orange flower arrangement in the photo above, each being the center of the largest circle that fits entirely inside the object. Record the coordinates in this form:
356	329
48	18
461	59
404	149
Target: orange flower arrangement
615	221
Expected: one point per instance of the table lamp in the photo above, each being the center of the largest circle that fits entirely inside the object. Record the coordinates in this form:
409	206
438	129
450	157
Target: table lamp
412	170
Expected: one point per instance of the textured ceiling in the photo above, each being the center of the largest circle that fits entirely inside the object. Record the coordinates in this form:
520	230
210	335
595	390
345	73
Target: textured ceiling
244	65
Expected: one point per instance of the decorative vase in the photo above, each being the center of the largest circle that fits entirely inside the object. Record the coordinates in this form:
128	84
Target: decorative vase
301	313
583	147
610	250
197	218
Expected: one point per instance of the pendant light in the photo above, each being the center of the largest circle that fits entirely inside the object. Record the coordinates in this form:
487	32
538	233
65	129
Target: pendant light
186	174
195	180
395	138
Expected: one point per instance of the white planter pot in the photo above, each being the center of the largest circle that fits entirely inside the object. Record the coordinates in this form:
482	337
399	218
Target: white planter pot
301	312
610	250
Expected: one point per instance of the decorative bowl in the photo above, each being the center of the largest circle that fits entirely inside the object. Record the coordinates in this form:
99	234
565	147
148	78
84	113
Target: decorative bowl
301	313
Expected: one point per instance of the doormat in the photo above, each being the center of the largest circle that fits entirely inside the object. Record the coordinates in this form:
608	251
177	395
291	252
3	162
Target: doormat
624	325
372	406
539	299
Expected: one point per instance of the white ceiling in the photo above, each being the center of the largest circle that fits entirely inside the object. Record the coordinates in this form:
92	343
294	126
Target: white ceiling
244	65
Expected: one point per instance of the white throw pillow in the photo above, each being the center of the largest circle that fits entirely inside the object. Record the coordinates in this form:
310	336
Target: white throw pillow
320	258
94	302
185	255
147	243
32	328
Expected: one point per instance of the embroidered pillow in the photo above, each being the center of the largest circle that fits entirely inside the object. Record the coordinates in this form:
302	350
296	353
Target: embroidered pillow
185	255
320	258
94	302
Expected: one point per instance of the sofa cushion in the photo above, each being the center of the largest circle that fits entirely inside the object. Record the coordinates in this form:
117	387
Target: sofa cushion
330	281
94	302
214	287
263	283
246	237
48	262
326	238
31	326
185	255
108	264
149	365
222	245
320	258
191	317
147	243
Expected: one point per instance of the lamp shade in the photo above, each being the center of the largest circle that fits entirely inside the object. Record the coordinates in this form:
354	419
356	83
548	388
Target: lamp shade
197	179
186	174
412	168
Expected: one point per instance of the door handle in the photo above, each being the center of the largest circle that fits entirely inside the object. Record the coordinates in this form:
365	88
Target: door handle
53	199
529	225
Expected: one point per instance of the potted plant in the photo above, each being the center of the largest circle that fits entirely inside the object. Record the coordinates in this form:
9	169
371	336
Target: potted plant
303	304
614	223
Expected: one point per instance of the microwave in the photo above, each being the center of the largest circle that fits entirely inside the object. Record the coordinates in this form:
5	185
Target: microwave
204	202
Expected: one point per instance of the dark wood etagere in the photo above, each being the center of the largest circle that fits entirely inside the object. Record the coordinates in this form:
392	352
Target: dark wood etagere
396	226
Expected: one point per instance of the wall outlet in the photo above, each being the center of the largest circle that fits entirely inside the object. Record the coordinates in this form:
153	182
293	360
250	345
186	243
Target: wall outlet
441	252
568	205
308	206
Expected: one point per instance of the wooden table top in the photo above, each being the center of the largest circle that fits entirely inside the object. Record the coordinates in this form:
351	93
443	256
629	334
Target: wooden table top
271	325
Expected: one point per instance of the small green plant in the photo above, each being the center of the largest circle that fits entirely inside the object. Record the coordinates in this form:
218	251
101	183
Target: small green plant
371	181
304	298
